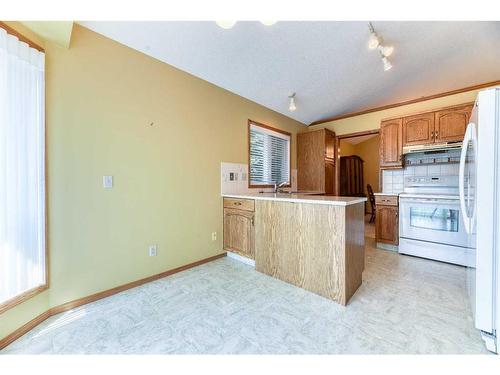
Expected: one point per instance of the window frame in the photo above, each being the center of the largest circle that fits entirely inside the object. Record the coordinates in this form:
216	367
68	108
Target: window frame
30	293
258	124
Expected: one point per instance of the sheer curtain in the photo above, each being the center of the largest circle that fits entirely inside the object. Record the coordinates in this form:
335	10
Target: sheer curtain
22	167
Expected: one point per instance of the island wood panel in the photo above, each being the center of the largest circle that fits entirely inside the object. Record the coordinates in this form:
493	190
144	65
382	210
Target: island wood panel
354	248
302	244
306	245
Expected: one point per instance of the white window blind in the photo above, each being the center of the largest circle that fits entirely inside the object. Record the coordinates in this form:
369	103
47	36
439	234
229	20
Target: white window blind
22	172
269	156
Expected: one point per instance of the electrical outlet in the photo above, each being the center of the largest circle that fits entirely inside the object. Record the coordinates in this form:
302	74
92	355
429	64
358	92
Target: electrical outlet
153	250
107	182
214	236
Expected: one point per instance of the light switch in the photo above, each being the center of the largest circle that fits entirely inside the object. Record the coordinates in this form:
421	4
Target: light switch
107	182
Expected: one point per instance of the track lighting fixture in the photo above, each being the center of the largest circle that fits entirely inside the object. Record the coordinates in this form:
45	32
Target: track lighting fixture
292	107
375	42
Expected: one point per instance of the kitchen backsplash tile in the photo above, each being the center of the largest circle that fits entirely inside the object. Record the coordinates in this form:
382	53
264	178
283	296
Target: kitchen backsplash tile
239	182
393	180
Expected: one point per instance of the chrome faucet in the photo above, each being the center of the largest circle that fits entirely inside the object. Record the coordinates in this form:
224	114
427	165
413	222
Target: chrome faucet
277	187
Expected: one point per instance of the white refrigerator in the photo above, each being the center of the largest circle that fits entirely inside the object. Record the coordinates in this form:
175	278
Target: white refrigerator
480	208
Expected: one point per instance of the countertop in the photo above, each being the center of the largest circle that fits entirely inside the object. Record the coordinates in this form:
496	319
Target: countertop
300	198
389	194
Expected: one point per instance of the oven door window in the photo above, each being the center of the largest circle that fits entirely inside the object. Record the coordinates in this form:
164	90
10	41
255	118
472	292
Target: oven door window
435	218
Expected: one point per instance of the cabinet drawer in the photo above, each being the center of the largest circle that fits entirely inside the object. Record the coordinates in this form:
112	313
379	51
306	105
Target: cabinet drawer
240	204
386	200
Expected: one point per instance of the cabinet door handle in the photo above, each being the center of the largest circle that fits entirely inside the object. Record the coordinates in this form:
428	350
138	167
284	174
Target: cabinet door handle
436	134
237	203
253	221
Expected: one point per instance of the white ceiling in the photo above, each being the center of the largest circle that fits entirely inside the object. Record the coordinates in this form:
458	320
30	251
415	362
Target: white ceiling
327	64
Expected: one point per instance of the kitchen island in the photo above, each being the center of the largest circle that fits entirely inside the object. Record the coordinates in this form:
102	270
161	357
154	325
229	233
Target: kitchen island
314	242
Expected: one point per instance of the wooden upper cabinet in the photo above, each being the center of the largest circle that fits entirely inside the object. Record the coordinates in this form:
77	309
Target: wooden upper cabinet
418	129
329	177
310	156
450	124
330	145
391	144
316	161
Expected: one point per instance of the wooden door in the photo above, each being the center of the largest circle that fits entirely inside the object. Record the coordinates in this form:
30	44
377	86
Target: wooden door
239	232
310	161
391	144
387	224
330	177
418	129
450	124
329	145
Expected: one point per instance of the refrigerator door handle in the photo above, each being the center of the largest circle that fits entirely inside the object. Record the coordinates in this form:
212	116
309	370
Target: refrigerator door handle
461	177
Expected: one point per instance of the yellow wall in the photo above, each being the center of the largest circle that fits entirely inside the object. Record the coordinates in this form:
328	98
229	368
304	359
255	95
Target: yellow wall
371	121
101	99
346	148
58	32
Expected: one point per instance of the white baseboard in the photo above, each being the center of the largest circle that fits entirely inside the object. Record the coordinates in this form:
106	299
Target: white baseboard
242	259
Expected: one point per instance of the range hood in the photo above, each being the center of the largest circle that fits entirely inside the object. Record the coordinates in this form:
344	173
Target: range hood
432	148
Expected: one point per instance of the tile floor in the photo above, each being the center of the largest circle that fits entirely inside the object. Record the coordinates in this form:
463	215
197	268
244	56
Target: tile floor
405	305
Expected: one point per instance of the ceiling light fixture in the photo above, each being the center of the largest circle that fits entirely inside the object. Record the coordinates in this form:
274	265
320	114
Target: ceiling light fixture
375	42
387	64
230	24
292	107
226	24
386	51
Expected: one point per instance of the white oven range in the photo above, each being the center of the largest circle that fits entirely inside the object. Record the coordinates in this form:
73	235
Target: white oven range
430	222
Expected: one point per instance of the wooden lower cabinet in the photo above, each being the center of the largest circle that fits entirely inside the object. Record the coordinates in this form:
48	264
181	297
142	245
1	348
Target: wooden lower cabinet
387	219
239	232
387	224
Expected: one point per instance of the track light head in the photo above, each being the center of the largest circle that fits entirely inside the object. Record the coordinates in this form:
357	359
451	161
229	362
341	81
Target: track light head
292	107
387	64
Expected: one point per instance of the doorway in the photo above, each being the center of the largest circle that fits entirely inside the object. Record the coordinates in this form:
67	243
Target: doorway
358	161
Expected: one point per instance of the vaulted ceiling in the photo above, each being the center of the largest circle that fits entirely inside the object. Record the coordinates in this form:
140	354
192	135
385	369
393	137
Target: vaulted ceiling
327	64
